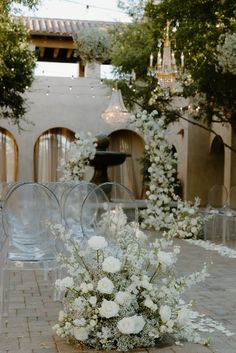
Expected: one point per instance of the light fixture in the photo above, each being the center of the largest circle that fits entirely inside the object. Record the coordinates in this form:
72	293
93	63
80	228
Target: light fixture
165	69
116	112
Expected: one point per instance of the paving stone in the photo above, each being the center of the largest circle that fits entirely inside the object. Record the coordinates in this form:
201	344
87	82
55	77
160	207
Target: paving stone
32	312
191	348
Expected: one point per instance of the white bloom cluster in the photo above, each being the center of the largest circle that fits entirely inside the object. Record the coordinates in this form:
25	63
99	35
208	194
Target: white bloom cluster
82	150
165	211
188	222
122	297
161	171
226	53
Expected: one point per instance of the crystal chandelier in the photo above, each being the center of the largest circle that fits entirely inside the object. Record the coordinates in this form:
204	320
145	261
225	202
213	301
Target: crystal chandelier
165	69
116	113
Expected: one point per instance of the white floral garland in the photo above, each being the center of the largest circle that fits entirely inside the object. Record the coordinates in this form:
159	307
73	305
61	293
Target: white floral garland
165	211
162	169
223	250
82	150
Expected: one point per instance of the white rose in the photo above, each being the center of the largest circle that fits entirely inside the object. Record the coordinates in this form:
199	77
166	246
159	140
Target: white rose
111	265
90	286
123	298
131	325
64	283
105	286
149	304
109	309
165	313
93	300
97	242
194	230
81	333
92	323
194	222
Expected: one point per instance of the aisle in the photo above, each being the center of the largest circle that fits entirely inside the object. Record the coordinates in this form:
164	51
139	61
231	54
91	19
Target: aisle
32	311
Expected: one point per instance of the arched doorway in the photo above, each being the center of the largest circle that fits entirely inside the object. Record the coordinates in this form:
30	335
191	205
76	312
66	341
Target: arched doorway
8	157
50	148
217	160
128	173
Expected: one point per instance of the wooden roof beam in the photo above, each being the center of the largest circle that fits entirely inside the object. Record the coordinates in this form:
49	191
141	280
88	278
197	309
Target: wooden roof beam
55	53
69	53
41	52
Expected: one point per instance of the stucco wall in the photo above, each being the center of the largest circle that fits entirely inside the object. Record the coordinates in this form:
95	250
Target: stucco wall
75	104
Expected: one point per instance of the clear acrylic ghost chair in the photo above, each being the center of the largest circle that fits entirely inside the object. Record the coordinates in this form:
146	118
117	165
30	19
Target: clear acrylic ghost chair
106	210
28	210
229	234
216	208
5	188
59	188
71	206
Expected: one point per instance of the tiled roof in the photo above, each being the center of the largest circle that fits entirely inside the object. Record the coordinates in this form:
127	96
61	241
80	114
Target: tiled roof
62	27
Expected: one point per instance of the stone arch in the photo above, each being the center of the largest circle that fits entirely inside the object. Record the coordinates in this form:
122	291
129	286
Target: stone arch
8	156
52	145
130	172
217	161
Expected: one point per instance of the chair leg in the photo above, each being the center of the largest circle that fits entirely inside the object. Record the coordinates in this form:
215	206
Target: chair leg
5	293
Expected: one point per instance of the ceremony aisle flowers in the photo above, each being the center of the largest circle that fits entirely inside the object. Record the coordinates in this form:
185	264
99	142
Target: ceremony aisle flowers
82	150
188	222
124	294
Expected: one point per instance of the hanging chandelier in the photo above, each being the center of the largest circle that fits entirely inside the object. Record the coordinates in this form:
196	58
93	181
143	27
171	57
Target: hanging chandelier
116	112
165	69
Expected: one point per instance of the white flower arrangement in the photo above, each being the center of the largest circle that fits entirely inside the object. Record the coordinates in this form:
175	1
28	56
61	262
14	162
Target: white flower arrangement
124	295
188	222
82	150
161	171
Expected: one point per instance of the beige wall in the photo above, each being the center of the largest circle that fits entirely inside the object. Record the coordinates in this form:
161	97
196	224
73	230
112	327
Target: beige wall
78	109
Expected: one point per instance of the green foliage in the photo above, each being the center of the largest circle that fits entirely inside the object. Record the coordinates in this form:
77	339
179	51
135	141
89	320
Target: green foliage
197	28
93	45
10	4
16	67
201	23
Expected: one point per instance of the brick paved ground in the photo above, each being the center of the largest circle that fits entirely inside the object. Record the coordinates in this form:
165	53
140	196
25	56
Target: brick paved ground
32	311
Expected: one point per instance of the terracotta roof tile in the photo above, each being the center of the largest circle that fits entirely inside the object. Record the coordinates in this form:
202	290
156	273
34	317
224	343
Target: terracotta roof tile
63	27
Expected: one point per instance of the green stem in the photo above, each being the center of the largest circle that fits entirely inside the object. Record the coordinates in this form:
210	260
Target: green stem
155	272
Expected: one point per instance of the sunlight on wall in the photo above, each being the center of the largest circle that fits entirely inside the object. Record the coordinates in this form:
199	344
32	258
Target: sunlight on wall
67	70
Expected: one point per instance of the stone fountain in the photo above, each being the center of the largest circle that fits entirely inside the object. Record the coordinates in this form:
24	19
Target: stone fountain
104	159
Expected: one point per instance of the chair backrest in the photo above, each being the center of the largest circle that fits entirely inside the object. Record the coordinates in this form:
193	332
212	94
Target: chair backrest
71	206
59	188
107	208
217	196
28	210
